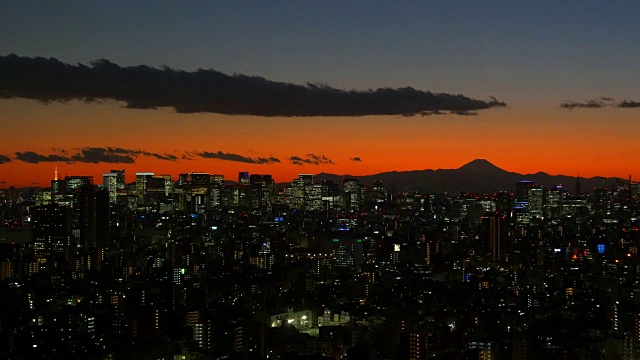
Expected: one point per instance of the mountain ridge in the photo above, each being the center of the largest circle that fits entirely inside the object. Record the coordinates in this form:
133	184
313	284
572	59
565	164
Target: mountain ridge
478	175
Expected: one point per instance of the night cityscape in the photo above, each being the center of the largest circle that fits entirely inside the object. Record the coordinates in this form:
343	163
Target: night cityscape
385	180
203	267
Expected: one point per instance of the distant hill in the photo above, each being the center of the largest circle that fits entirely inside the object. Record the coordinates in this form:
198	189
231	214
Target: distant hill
477	176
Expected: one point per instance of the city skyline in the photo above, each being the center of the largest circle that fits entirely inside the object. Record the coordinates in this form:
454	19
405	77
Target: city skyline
319	180
565	72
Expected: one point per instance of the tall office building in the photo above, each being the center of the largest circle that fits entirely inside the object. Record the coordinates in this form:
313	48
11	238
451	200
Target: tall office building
494	238
74	183
262	187
313	197
535	204
110	184
307	179
351	193
92	217
141	184
522	190
51	234
120	180
347	252
553	201
215	190
295	194
199	185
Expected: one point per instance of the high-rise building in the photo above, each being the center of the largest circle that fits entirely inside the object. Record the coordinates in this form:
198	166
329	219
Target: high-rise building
307	179
199	187
521	347
351	193
578	187
553	201
159	184
522	190
262	187
141	184
7	269
535	203
120	180
494	238
215	190
110	184
347	252
92	218
200	179
51	232
73	183
416	346
295	195
313	197
243	178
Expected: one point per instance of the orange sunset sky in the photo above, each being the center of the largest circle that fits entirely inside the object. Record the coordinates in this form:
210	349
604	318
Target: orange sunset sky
533	56
556	141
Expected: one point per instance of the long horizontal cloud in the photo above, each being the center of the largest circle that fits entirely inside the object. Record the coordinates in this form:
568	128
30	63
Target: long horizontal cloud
35	158
116	155
94	155
103	155
236	157
600	103
144	87
4	159
311	159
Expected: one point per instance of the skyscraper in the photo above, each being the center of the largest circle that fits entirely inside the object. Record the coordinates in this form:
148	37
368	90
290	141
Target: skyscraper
92	218
141	184
120	180
494	238
74	183
51	232
110	184
522	190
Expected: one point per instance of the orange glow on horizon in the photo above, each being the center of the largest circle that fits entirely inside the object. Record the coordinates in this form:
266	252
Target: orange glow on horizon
556	141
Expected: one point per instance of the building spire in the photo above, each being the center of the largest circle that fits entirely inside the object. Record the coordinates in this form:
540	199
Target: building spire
55	174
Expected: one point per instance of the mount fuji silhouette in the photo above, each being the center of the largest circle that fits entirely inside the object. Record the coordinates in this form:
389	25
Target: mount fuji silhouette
478	175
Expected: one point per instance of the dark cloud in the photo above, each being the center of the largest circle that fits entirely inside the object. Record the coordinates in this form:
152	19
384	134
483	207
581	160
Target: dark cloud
600	103
3	182
4	159
311	159
167	157
628	104
235	157
589	104
94	155
357	158
35	158
143	87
